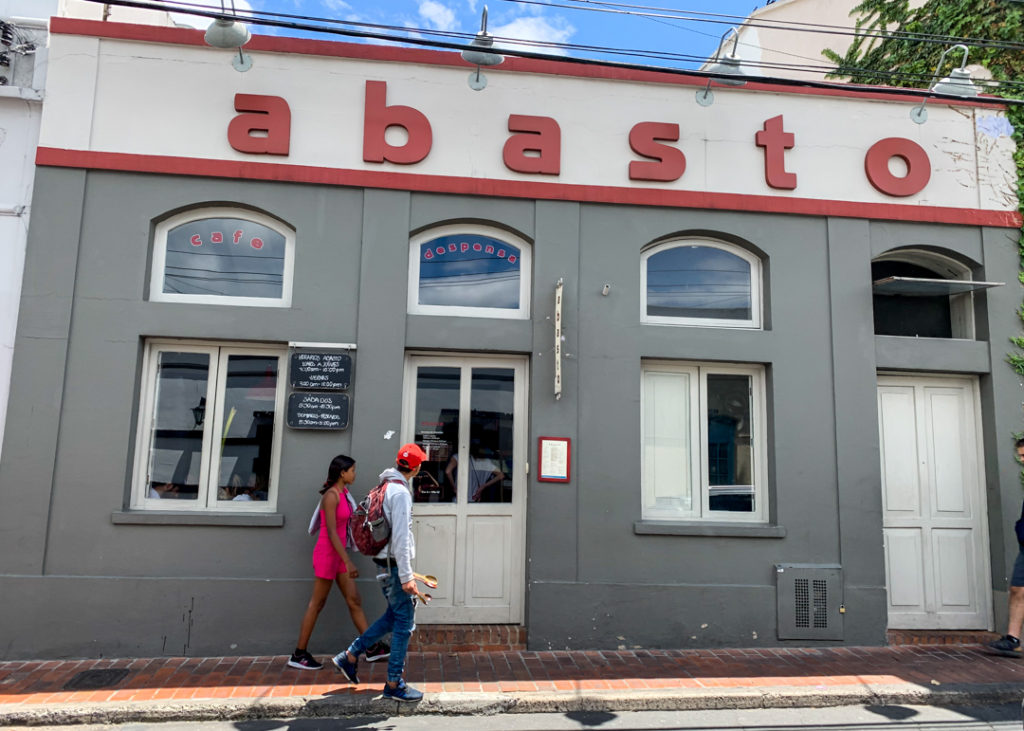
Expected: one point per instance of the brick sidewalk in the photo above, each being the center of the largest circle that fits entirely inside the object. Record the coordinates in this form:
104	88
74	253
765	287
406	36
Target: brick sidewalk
24	684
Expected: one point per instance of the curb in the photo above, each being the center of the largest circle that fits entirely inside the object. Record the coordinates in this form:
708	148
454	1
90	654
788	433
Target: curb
487	704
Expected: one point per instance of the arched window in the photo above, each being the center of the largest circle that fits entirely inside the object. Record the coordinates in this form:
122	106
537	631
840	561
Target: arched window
469	270
700	282
918	293
223	256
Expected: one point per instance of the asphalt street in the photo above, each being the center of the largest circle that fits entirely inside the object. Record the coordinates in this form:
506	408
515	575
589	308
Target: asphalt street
842	718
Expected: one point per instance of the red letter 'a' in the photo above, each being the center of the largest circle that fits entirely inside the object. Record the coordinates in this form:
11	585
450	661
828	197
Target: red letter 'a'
671	163
268	115
378	116
535	134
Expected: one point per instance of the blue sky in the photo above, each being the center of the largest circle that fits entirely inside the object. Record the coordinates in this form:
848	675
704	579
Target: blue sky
539	20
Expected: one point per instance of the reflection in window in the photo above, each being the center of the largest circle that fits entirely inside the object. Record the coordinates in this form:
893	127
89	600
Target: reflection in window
703	436
437	431
469	270
701	283
225	257
490	440
212	437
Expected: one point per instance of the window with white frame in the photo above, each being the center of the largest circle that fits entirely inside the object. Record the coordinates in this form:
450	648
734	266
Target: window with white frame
209	427
223	256
700	282
469	271
703	442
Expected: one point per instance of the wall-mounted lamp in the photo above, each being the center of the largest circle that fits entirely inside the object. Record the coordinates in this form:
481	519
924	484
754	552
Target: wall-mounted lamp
199	411
228	33
483	57
729	67
958	83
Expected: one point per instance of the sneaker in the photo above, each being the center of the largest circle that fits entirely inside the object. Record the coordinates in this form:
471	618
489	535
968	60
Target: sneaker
1007	645
402	693
346	668
303	661
378	651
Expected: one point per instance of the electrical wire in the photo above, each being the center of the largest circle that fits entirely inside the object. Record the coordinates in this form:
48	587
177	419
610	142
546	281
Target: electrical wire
373	31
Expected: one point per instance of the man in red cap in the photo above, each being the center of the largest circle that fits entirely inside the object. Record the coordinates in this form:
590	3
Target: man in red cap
394	574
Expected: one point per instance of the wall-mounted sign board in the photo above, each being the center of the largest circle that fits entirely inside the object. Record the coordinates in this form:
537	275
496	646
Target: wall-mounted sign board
554	457
317	410
321	370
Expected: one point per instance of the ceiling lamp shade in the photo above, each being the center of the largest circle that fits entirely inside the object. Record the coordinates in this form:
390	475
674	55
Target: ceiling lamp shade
958	83
727	70
227	33
479	55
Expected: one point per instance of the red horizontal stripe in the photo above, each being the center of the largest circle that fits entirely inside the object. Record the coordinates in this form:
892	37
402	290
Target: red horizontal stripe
241	169
372	52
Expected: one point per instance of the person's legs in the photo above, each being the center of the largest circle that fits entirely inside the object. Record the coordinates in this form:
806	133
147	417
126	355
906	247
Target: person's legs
321	588
402	606
1016	611
348	588
1009	644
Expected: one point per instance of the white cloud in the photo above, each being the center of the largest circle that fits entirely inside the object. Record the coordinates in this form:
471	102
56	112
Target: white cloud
534	28
438	15
242	7
337	6
472	5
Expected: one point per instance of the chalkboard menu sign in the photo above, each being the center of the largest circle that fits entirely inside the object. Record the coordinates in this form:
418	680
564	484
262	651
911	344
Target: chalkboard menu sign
325	371
318	410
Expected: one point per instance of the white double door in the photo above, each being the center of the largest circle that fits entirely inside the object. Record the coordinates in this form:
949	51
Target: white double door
469	414
933	502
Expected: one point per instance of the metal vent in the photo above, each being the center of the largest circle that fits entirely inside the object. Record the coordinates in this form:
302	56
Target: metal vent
809	599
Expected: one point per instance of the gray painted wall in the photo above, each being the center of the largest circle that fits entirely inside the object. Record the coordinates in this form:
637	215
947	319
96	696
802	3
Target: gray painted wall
78	581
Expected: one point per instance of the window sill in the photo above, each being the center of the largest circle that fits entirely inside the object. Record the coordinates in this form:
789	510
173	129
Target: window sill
721	530
160	517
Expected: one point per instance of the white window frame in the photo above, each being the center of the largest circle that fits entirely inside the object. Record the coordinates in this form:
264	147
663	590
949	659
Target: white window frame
525	274
755	321
156	281
206	500
698	430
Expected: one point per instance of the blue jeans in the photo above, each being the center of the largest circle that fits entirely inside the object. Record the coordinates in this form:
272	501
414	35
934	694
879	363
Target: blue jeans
397	619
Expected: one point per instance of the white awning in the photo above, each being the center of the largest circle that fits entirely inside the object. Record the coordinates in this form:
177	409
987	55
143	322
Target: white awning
920	287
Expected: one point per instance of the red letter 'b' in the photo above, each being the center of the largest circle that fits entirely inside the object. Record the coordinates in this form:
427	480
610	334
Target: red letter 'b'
269	115
378	116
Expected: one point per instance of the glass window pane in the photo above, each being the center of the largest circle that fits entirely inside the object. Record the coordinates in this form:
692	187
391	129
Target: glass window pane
667	442
492	405
698	281
437	431
247	436
229	257
468	270
730	448
176	447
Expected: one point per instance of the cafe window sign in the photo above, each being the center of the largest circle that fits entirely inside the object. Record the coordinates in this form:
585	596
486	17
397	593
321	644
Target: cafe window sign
223	256
469	271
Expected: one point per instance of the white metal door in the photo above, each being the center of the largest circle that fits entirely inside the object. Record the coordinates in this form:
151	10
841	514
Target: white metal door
936	562
469	414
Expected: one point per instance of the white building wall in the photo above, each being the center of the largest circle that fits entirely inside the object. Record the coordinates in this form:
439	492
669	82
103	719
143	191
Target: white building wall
21	100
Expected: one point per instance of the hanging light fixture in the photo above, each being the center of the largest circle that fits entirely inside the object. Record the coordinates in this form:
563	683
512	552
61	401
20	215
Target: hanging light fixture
958	83
729	68
482	57
226	32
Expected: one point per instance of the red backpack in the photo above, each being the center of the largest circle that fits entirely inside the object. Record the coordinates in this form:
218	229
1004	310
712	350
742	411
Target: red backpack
371	530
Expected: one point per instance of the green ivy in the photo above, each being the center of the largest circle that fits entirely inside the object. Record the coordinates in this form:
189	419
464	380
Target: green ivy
869	58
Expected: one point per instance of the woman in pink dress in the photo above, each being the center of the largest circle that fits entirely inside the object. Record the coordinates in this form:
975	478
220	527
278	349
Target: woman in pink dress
332	564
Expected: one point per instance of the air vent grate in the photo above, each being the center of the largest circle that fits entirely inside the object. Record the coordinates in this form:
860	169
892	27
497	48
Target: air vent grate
809	597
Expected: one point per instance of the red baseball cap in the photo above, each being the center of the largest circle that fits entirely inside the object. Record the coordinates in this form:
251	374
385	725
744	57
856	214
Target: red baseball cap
410	456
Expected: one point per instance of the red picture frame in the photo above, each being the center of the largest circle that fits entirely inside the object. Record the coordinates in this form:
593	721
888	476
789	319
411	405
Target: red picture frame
554	459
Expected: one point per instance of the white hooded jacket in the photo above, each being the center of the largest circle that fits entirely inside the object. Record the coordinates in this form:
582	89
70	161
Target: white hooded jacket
398	510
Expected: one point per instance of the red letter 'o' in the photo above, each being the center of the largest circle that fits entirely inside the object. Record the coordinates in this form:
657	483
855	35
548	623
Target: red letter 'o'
919	167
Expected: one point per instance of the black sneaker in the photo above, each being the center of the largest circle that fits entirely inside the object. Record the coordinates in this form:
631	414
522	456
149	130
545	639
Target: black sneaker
346	668
303	661
1007	645
378	651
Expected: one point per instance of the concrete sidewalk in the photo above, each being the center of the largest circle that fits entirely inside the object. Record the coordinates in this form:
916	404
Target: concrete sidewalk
235	688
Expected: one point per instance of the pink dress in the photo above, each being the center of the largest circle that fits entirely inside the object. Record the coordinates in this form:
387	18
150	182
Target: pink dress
327	564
